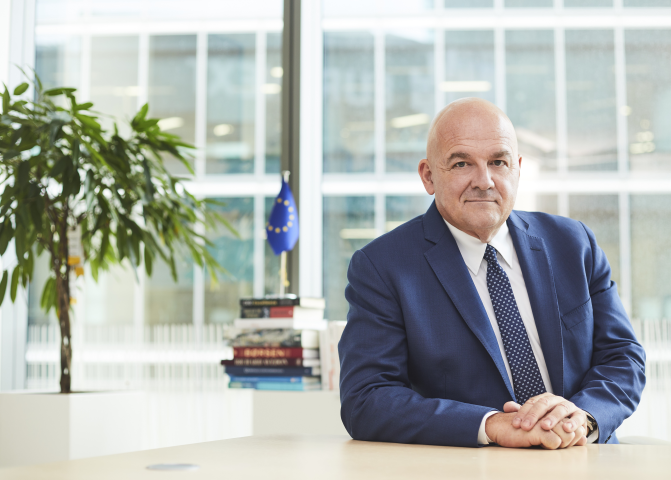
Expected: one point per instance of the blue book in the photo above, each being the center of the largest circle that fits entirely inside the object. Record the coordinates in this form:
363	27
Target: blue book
293	387
297	380
272	371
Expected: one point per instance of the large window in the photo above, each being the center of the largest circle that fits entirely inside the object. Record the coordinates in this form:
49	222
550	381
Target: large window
587	84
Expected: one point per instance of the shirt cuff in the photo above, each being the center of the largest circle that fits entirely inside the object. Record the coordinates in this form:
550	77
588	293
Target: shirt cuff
483	439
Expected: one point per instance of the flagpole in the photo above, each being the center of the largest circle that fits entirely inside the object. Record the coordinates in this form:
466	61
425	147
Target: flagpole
283	272
283	256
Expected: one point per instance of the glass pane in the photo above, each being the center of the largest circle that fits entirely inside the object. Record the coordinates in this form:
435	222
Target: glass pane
469	65
58	60
547	204
601	214
124	10
648	54
651	256
400	209
348	226
197	9
230	103
236	255
53	11
647	3
528	3
172	87
167	301
112	299
530	92
590	99
114	79
337	8
41	274
348	102
273	102
587	3
272	261
469	3
533	202
410	100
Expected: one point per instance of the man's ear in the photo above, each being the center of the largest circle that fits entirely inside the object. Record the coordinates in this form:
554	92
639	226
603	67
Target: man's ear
424	170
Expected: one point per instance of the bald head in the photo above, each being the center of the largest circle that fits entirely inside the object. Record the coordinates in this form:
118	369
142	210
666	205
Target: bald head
471	114
472	166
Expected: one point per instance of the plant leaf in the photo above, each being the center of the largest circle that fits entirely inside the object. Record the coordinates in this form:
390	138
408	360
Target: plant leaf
21	89
15	283
3	286
5	101
6	235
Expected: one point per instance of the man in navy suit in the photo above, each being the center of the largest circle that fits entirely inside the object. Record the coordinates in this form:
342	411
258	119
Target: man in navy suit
475	324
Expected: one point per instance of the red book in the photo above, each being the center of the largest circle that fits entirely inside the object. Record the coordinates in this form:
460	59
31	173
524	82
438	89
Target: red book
274	352
282	312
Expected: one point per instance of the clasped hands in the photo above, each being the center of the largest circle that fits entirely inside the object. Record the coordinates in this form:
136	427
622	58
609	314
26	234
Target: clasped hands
546	420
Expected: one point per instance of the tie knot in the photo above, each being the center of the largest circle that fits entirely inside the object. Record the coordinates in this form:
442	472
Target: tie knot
490	254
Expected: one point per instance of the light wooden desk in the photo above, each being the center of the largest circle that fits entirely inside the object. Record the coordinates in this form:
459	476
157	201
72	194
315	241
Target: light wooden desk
338	457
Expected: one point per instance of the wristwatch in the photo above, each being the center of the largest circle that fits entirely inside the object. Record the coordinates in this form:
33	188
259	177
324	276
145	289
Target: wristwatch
591	424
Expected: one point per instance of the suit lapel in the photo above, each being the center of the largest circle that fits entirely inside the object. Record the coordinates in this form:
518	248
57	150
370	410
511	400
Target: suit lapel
447	263
537	272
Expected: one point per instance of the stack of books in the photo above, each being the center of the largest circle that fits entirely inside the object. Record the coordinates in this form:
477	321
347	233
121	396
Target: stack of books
278	347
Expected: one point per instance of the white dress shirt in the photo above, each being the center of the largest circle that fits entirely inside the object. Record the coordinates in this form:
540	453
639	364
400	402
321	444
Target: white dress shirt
473	252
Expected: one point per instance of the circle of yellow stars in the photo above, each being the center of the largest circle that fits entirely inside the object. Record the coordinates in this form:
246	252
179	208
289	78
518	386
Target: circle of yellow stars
289	223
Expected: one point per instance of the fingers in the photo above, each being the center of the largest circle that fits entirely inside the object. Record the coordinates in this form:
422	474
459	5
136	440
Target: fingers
575	420
572	438
550	408
524	411
549	440
567	438
510	407
579	436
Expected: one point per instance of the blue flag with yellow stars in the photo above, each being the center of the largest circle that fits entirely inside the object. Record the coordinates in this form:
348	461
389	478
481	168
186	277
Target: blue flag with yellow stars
282	226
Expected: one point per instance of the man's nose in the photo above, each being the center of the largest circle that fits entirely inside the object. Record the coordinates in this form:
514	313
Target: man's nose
482	178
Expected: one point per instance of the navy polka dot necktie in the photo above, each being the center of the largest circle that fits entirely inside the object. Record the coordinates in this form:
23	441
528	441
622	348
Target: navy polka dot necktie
527	380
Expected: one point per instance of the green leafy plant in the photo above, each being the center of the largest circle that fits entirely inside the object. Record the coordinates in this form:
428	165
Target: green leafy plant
62	172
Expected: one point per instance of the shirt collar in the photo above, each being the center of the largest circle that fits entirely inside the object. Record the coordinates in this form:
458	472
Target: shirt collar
473	250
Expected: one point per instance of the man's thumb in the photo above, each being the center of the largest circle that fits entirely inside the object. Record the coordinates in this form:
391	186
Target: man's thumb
511	407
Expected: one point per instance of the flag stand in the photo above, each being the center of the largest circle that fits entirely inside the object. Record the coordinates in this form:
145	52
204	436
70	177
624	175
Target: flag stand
283	256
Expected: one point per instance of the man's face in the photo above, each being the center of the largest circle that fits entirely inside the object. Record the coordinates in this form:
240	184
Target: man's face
473	168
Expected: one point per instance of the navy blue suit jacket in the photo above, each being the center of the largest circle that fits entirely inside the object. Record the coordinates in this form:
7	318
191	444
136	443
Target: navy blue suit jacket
419	359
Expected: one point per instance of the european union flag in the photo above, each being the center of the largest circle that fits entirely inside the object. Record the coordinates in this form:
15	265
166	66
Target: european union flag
282	226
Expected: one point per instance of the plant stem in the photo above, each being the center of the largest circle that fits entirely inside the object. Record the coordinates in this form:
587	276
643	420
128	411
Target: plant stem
63	293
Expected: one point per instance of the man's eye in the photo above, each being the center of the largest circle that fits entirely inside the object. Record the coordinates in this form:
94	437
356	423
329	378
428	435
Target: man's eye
460	164
499	163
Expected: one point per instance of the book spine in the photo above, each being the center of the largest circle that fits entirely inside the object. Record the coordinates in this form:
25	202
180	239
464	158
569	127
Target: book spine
281	312
295	387
271	352
273	371
255	312
257	379
269	302
263	362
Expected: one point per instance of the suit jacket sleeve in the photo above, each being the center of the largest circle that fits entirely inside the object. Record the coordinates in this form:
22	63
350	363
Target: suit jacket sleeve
377	400
612	387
